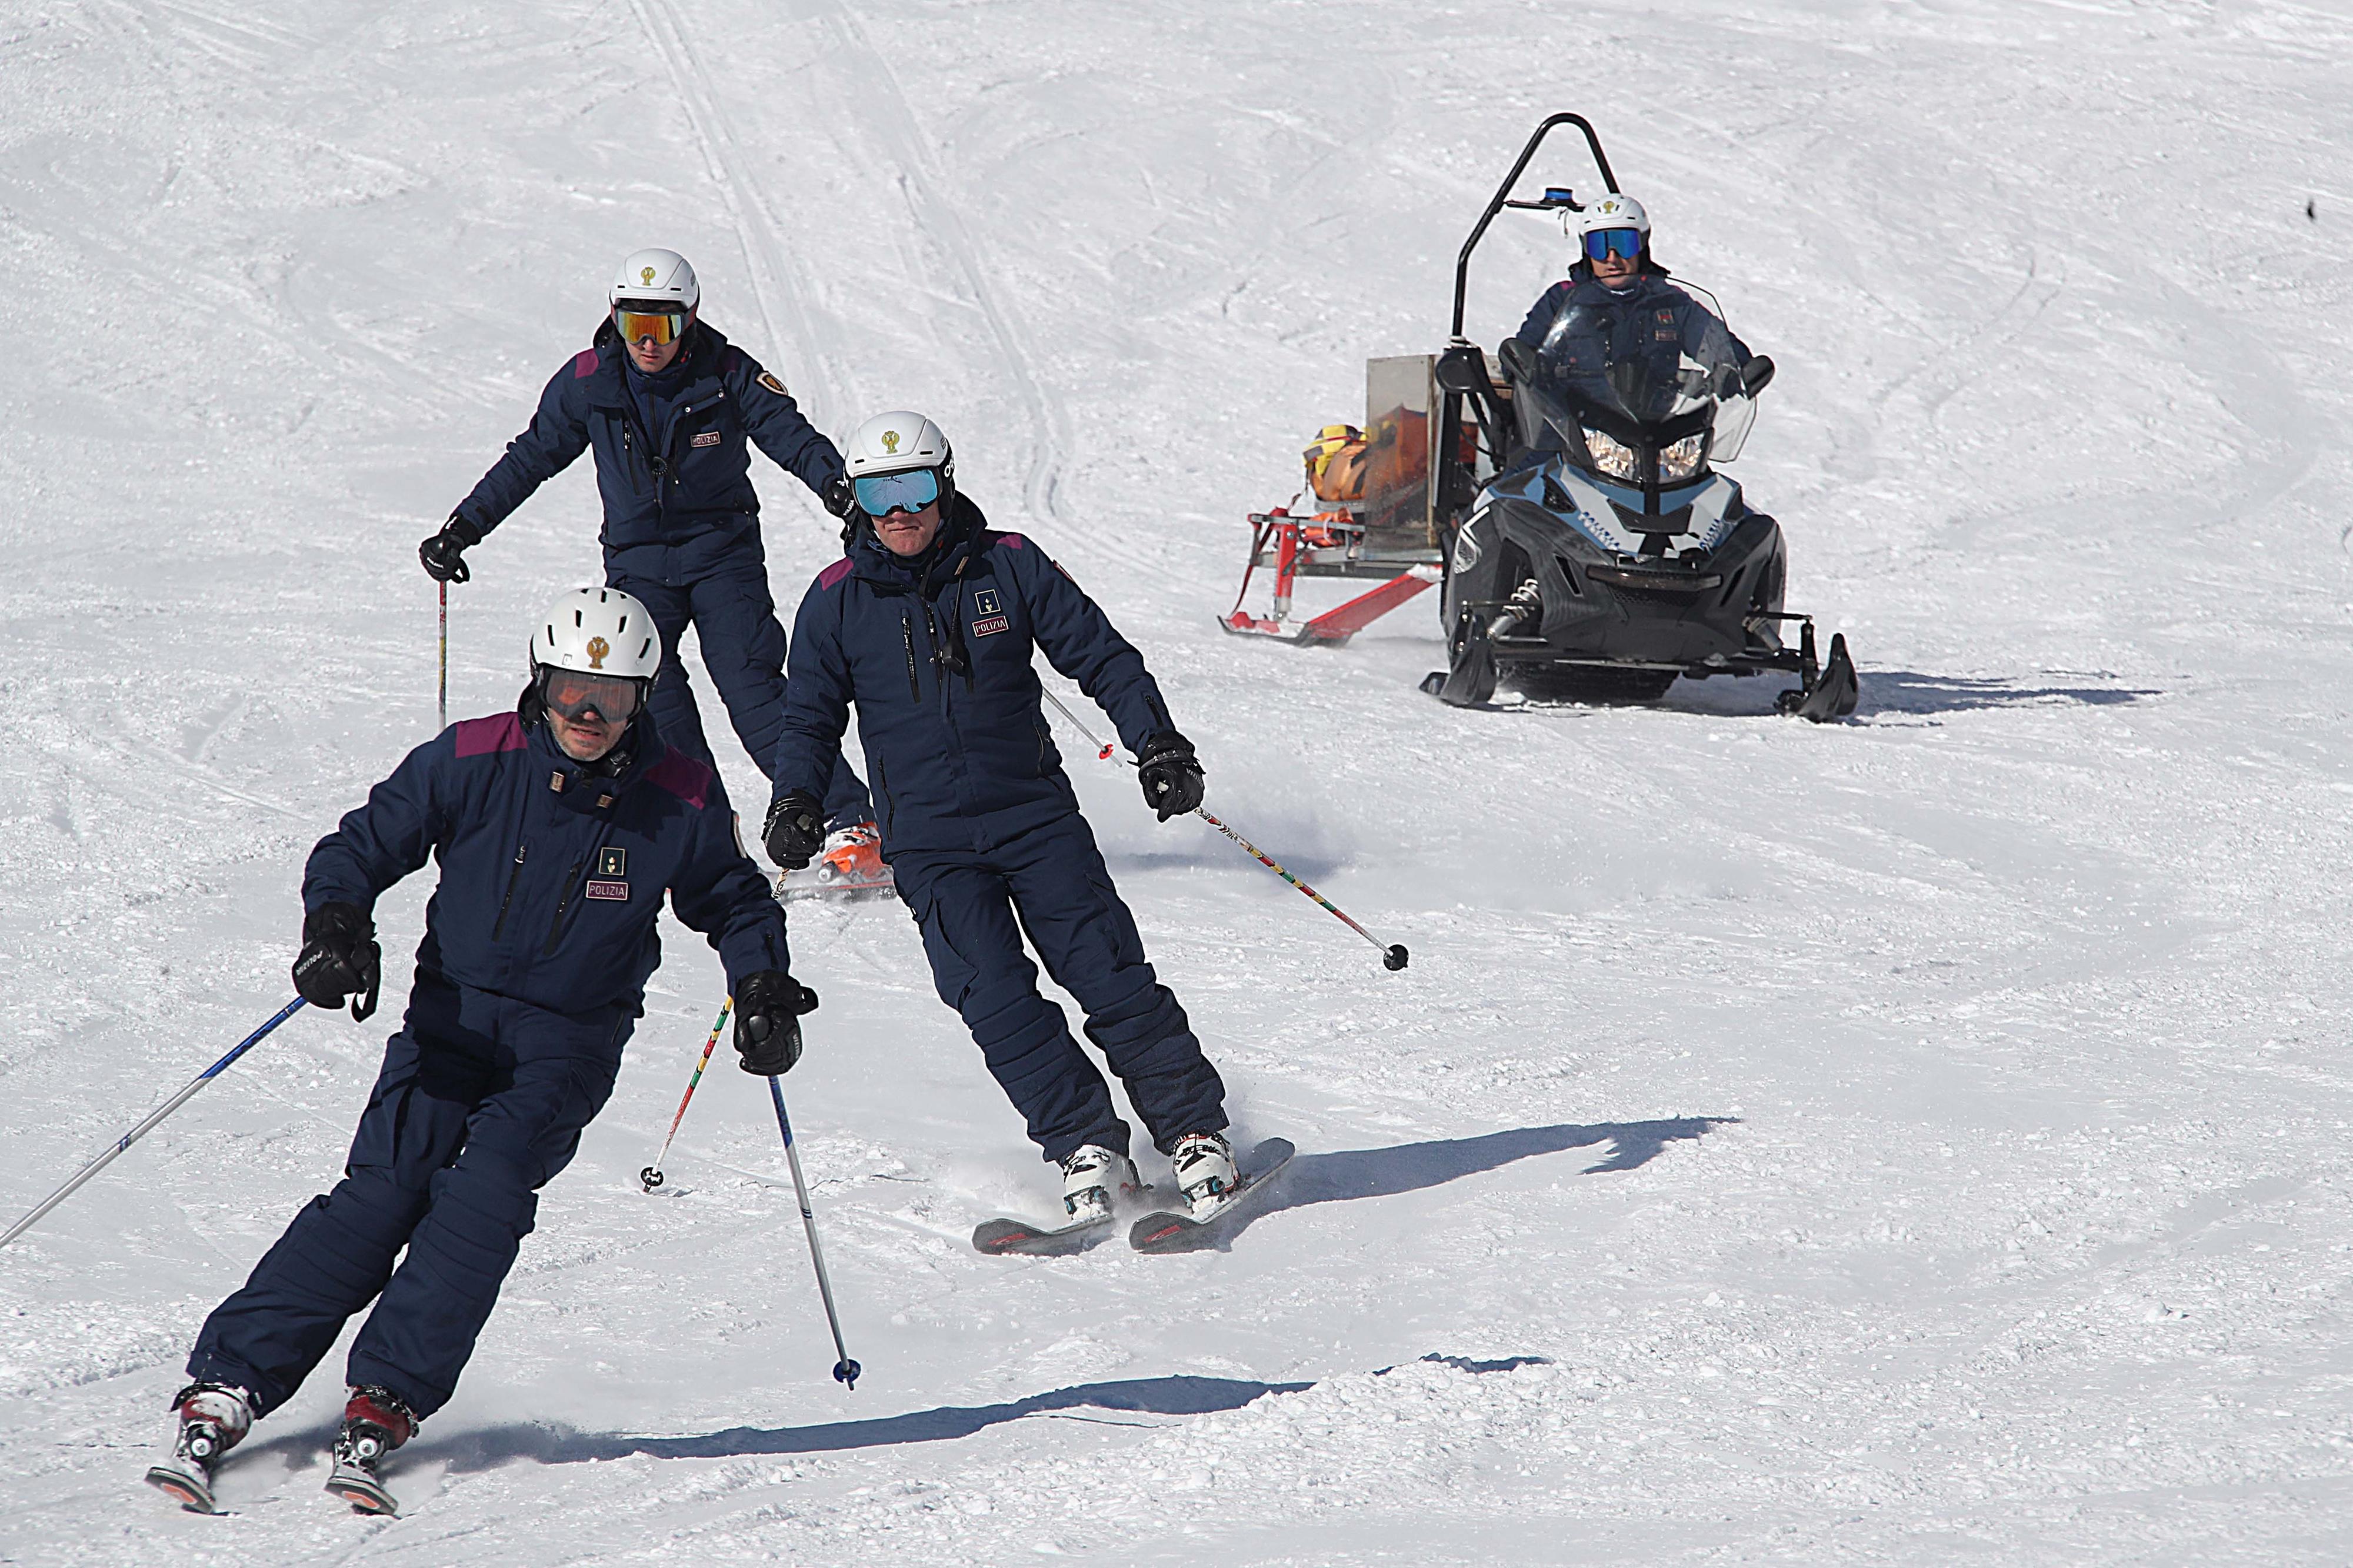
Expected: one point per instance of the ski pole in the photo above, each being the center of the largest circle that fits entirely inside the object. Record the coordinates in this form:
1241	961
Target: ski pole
652	1174
444	656
136	1133
1393	954
845	1370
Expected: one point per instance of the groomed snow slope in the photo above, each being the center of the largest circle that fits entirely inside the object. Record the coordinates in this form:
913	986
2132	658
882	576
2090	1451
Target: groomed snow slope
1921	1140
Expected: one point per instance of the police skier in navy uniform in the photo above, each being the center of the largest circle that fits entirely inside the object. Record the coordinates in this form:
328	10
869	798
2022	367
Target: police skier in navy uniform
929	624
558	828
668	405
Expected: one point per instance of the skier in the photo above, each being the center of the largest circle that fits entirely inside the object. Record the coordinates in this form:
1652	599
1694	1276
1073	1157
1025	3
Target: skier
666	403
558	828
928	625
1616	307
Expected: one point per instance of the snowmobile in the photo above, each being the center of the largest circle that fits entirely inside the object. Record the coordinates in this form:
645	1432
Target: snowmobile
1591	550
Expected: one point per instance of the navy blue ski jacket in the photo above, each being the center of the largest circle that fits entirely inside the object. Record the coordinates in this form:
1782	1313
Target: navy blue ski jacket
679	494
1651	320
959	760
552	873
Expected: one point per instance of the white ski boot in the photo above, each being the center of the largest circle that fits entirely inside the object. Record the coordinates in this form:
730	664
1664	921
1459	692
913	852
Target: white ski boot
213	1418
1093	1179
1204	1164
374	1422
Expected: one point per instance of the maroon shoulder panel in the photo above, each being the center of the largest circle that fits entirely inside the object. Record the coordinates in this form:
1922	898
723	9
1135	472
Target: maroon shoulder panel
834	574
584	363
682	776
499	733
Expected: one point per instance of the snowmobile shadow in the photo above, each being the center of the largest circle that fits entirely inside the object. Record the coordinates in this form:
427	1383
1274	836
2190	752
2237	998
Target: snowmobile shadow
1182	1395
1177	1396
1350	1174
1907	691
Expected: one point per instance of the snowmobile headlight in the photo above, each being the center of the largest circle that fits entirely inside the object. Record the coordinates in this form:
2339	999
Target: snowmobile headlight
1682	459
1612	456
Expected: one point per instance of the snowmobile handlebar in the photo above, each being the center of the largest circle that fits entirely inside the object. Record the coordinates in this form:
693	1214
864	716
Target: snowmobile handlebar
1503	192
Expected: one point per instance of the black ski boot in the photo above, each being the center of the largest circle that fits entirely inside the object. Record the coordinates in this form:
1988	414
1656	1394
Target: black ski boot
213	1418
375	1422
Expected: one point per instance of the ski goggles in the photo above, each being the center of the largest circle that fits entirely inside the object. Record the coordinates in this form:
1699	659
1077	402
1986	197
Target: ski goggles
880	495
635	325
611	698
1603	243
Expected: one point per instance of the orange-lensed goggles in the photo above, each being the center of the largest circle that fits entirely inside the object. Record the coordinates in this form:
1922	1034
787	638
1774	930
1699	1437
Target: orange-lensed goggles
613	699
634	325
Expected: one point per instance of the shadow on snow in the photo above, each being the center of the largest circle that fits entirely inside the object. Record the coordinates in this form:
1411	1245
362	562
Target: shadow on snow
1177	1396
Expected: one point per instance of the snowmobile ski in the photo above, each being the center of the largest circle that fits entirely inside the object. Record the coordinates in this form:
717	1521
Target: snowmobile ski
1007	1238
1171	1230
1831	693
190	1486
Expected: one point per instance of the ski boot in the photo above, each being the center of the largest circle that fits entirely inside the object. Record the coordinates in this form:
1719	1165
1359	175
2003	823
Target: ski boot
375	1422
1093	1179
852	858
213	1418
1204	1164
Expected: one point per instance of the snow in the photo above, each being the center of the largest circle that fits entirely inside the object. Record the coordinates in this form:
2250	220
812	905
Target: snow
1920	1139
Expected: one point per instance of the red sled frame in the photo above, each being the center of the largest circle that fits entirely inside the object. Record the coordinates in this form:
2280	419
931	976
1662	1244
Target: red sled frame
1328	545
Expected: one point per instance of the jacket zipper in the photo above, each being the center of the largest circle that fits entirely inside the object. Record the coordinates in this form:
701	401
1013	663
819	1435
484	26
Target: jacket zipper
556	926
907	635
500	925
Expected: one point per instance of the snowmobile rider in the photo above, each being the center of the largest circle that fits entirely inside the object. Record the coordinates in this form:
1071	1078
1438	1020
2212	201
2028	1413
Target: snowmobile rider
667	405
559	827
929	624
1616	306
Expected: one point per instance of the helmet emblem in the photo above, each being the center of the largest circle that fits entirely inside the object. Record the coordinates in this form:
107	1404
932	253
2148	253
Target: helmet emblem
891	442
647	274
597	648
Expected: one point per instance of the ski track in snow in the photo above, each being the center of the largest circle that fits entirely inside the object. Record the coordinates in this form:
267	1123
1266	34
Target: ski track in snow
1907	1141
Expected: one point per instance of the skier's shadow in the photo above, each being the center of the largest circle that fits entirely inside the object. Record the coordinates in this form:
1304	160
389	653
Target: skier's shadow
1177	1396
1346	1175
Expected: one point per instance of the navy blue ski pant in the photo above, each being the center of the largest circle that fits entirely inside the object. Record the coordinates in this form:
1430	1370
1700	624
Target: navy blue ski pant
1050	883
480	1102
734	619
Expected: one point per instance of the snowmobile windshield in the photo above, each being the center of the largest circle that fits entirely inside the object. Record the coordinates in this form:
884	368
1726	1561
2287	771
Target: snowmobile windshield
1646	374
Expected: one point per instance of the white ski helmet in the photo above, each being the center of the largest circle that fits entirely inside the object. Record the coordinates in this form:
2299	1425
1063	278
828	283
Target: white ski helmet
894	442
656	274
598	631
1615	210
899	442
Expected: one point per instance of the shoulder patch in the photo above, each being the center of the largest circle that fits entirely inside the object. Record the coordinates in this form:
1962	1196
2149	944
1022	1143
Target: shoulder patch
834	574
480	737
584	363
768	379
682	776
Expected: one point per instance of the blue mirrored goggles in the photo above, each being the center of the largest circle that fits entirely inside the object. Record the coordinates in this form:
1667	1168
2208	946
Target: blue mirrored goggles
880	495
1606	242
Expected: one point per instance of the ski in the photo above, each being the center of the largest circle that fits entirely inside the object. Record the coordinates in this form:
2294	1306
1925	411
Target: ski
192	1487
1171	1231
1007	1237
354	1484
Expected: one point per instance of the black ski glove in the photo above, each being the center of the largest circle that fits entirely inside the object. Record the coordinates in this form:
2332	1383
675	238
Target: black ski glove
838	497
340	958
1170	774
795	829
768	1007
444	554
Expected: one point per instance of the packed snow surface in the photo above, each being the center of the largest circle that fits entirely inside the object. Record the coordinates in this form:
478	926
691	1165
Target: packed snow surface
1916	1140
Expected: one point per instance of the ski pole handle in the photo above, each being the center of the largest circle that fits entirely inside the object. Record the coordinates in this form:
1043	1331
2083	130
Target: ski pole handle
150	1124
651	1176
845	1371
